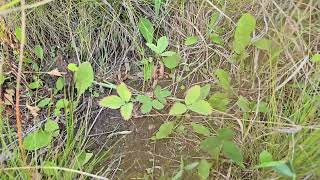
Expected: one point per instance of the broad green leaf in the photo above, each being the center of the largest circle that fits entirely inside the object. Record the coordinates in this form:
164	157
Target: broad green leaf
73	67
205	90
191	40
315	58
52	127
59	84
143	99
37	140
153	47
49	172
161	94
157	104
219	101
225	134
271	164
262	108
84	77
124	92
265	156
178	109
200	129
162	44
191	166
44	102
284	169
192	95
146	107
126	111
165	130
38	51
146	29
172	62
157	5
168	53
231	150
36	84
112	102
204	169
224	79
18	33
201	107
83	159
263	44
215	38
212	145
62	103
244	29
243	104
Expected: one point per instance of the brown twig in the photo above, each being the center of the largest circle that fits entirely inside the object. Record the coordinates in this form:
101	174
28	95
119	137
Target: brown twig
22	43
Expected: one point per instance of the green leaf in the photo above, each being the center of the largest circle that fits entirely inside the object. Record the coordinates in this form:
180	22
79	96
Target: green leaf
124	92
262	108
161	94
213	20
112	102
146	29
204	169
172	62
231	150
52	127
225	134
191	40
157	105
168	53
164	131
224	79
36	84
146	107
191	166
59	84
153	47
180	172
192	95
243	104
18	33
263	44
216	39
143	99
126	111
212	145
265	156
37	140
49	172
284	169
178	109
38	51
244	29
157	5
201	107
200	129
315	58
84	77
73	67
162	44
83	159
219	101
205	90
44	102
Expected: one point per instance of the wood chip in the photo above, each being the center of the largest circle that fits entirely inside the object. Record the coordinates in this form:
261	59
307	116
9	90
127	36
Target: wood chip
56	72
33	110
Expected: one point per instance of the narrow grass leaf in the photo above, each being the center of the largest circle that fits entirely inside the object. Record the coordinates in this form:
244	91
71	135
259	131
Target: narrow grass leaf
126	111
146	29
112	102
124	92
200	129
